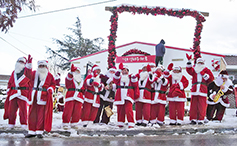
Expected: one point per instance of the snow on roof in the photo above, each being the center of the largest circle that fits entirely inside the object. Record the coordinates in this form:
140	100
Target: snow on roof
149	44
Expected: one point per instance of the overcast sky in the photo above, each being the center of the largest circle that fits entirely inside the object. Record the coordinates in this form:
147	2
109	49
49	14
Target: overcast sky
32	34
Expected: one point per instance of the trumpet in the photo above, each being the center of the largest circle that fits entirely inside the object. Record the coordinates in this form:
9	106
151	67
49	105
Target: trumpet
219	94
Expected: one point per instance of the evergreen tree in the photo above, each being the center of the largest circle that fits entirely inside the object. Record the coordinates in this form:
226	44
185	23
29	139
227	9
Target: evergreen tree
74	46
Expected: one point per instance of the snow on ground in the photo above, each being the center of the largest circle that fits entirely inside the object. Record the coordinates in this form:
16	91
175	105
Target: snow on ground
229	121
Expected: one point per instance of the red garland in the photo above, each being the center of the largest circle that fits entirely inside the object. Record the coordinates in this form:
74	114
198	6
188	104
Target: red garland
135	51
153	11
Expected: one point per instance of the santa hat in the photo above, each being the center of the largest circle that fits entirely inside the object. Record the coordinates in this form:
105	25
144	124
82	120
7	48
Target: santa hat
144	65
223	74
78	68
95	67
200	60
161	67
152	64
177	68
43	62
23	59
125	66
113	69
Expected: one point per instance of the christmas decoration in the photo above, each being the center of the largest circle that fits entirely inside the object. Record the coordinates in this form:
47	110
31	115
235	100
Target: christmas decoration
215	64
135	51
180	13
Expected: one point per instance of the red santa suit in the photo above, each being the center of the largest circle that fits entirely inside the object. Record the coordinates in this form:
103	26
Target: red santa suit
74	99
18	94
177	97
158	100
143	103
93	87
126	92
200	82
41	105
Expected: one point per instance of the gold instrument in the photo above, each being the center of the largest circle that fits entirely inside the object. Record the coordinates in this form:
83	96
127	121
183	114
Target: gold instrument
108	111
219	94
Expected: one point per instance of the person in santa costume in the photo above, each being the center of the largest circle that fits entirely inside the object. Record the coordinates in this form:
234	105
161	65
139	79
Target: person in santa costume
74	98
60	100
41	103
127	91
221	84
93	88
176	96
106	96
57	81
143	103
158	98
18	92
201	77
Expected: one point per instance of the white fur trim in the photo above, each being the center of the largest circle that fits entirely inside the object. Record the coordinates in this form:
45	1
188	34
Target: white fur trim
69	78
181	85
96	67
199	93
133	80
39	132
189	65
31	132
177	99
50	88
131	124
172	121
165	83
116	77
120	123
153	121
109	80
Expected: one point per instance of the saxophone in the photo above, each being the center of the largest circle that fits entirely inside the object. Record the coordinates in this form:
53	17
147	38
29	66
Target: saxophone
219	94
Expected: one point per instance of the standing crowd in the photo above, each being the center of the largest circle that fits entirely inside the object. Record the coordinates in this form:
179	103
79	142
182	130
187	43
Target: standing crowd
91	100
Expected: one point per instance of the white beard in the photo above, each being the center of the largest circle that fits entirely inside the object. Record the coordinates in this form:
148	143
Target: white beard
218	81
153	69
177	76
199	67
97	79
125	79
43	72
143	75
19	67
77	77
110	75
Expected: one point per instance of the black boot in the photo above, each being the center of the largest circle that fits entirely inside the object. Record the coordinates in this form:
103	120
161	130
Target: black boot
29	135
39	135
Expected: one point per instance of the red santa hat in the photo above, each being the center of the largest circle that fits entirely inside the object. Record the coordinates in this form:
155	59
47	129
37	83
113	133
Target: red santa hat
200	60
177	68
23	59
95	67
152	64
113	69
224	74
161	67
43	62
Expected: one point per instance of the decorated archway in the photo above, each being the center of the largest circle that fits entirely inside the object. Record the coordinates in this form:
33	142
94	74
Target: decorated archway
180	13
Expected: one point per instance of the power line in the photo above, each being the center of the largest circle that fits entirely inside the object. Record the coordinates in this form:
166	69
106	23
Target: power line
26	45
13	46
66	9
29	37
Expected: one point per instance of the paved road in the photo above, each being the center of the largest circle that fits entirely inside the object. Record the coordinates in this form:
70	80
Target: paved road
170	140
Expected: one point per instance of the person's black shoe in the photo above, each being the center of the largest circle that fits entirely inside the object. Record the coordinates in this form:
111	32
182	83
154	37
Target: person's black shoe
138	124
84	125
200	123
193	122
29	135
172	124
143	124
179	124
39	135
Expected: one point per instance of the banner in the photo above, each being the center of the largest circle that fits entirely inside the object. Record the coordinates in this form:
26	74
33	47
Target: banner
135	59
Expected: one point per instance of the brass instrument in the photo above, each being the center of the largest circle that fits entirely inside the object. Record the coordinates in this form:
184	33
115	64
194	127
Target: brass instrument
219	94
108	111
